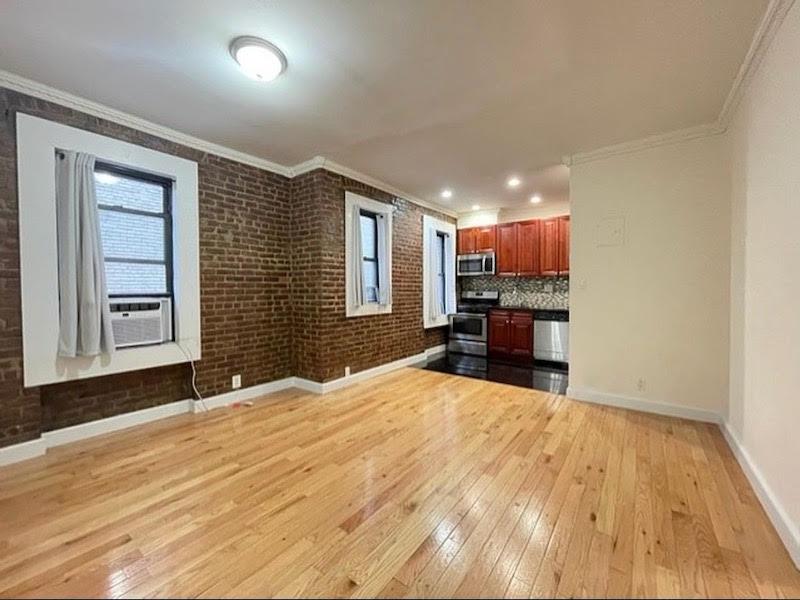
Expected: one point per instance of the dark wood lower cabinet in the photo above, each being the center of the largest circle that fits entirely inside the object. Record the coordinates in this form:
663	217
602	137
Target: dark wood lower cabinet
511	335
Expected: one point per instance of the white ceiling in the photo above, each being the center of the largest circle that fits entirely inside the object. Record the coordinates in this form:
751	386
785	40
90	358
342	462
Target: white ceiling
420	94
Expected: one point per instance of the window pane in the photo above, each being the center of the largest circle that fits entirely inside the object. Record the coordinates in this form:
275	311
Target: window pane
441	296
136	194
370	268
127	235
131	279
369	242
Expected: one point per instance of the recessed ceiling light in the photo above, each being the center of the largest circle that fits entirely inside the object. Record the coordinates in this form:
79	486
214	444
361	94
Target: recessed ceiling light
257	58
536	198
513	182
447	193
476	207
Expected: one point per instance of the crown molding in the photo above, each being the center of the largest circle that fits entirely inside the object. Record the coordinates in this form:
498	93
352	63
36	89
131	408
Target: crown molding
320	162
773	17
653	141
762	39
45	92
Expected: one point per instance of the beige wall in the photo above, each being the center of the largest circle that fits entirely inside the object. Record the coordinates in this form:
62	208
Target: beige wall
649	311
545	210
764	145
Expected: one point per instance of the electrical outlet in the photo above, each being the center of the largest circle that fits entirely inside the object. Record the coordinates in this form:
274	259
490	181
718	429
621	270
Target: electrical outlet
641	385
347	371
236	382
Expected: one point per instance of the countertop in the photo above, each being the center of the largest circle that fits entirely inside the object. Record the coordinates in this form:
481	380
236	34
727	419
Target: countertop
530	308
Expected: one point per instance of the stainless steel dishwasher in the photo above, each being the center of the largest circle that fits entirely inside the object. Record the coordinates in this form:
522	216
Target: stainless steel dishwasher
551	335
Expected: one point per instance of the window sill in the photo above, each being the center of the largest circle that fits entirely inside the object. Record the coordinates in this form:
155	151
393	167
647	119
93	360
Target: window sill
61	369
369	309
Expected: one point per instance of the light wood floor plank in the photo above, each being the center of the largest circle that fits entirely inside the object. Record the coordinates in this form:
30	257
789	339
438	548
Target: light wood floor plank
415	484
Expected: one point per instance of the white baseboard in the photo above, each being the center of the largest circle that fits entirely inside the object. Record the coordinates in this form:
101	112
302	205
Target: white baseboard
243	394
57	437
436	350
67	435
640	404
336	384
787	530
22	451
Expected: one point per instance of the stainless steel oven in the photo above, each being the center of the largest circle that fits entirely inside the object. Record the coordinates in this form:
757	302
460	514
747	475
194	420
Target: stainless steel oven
472	265
468	334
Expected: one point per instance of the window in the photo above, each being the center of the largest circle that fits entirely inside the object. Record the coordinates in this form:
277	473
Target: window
438	271
136	229
369	256
441	275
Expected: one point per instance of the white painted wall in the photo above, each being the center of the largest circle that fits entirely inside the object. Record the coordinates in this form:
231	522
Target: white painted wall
650	276
764	146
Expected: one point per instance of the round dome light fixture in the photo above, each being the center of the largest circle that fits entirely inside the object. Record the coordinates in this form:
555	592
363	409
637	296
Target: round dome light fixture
257	58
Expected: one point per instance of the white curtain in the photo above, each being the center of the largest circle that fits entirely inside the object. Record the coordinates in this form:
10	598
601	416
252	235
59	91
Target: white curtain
356	258
384	276
434	259
84	315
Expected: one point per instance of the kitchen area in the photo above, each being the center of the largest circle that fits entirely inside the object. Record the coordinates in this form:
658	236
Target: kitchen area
511	324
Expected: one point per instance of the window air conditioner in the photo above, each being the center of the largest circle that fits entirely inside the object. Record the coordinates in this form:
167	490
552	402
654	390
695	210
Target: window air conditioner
141	321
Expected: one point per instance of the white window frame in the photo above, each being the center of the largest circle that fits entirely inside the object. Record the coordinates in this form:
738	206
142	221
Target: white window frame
352	200
37	142
430	224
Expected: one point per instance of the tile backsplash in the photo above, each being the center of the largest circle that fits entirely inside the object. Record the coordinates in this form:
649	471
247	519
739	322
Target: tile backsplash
530	292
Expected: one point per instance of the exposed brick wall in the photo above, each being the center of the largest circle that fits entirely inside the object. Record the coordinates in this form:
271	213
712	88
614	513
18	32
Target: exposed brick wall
244	272
271	286
73	402
325	340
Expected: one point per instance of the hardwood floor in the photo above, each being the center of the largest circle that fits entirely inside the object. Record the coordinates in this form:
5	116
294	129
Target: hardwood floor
416	483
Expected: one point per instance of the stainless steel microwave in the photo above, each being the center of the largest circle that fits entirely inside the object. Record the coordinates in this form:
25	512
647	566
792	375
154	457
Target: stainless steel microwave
475	264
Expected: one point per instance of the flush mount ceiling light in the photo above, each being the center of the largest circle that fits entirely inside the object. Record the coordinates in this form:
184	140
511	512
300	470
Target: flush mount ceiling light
513	182
257	58
447	193
476	207
535	199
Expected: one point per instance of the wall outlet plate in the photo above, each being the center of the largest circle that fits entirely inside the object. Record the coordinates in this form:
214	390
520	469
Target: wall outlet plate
347	371
236	382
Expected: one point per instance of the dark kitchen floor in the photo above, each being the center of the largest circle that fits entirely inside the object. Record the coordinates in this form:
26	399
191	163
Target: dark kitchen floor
548	378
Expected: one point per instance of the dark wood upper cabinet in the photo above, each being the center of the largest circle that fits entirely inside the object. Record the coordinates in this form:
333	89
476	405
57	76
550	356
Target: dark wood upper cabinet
486	239
507	263
563	246
548	247
476	239
528	248
466	241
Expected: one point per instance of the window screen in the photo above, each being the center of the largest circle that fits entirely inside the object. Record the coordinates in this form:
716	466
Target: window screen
136	229
369	255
